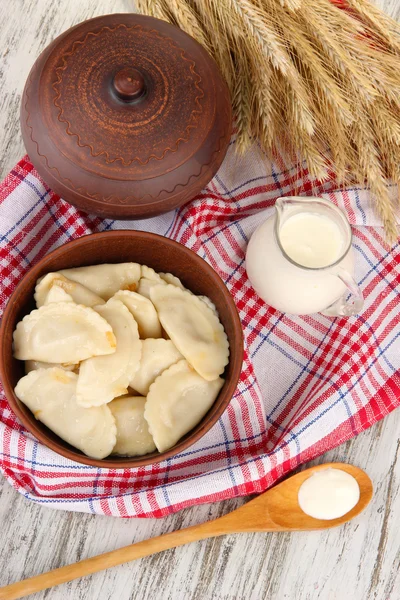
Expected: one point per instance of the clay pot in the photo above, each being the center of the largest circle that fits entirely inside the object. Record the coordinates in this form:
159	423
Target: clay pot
126	116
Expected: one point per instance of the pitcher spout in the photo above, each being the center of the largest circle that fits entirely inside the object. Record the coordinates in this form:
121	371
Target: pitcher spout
280	205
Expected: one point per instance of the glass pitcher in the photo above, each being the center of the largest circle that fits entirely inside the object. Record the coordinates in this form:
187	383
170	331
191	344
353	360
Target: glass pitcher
295	288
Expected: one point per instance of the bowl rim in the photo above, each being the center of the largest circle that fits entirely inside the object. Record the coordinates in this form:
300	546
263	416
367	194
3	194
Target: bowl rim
205	424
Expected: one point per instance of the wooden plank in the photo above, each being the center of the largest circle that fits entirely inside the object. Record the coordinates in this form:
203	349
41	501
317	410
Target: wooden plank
359	561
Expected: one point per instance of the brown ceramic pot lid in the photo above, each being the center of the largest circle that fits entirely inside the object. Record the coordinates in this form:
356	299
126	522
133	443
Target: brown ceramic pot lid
126	116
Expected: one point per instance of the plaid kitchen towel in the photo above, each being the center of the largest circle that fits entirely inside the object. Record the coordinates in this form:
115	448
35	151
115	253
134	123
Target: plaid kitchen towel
307	384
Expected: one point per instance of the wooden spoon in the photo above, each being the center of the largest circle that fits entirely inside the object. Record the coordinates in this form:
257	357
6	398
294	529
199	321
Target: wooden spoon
274	510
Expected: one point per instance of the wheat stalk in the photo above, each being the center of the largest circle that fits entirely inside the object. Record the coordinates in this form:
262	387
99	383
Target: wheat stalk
310	79
220	44
155	9
241	100
185	17
369	167
380	24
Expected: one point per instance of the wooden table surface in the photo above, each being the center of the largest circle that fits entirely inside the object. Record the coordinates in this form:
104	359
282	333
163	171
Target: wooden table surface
360	561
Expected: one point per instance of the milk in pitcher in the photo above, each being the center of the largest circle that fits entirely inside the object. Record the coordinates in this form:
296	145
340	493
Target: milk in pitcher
301	260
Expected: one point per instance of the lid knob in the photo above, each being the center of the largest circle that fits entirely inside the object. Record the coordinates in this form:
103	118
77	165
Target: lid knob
129	84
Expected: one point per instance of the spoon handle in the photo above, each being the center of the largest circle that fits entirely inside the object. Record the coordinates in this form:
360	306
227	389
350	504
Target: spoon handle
114	558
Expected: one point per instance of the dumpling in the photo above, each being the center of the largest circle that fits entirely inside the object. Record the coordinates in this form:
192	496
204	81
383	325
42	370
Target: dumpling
143	312
56	294
157	355
103	378
63	333
106	279
149	273
172	279
209	303
177	401
149	279
145	285
48	286
50	395
133	437
34	365
193	327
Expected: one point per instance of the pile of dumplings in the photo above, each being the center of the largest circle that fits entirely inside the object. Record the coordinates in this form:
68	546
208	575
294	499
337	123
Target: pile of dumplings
119	359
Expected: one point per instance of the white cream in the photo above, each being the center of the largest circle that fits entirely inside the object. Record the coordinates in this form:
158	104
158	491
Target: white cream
312	240
328	494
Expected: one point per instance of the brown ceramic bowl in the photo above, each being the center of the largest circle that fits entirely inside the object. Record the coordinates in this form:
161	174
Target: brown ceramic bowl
112	247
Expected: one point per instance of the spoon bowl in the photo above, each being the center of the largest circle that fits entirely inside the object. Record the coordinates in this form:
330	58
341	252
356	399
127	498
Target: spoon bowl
276	509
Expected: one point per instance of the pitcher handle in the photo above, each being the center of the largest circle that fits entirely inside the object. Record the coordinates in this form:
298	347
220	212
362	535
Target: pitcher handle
346	307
